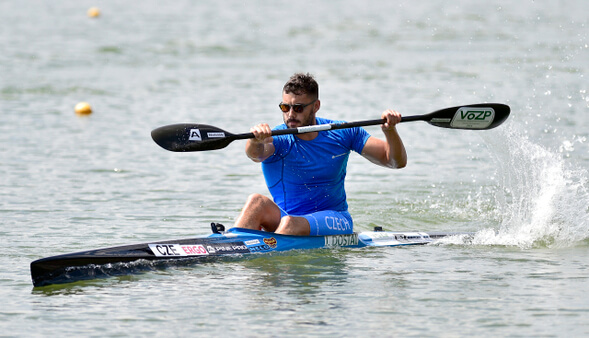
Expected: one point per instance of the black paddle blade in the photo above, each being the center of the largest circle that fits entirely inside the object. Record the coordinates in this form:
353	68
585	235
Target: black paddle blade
191	137
480	116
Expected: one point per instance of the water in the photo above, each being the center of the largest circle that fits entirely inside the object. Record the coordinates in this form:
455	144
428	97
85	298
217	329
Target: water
69	183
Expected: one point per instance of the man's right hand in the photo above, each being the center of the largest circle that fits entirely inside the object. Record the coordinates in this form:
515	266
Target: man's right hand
261	147
261	132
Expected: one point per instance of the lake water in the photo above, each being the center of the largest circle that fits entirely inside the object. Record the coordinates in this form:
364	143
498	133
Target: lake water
70	183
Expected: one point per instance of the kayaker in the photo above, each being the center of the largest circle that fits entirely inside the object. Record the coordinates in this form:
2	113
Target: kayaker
305	173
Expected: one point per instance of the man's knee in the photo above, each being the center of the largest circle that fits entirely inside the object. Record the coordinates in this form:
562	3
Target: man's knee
256	200
292	225
287	222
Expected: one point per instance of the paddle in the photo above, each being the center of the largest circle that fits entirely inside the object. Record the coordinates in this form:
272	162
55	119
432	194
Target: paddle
200	137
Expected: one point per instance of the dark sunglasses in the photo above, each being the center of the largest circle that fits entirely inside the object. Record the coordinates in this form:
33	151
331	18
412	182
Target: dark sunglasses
297	108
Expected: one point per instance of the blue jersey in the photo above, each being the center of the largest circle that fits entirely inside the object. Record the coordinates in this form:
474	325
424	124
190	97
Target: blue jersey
308	176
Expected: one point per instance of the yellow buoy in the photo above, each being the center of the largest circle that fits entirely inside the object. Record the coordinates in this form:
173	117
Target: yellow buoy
83	108
93	12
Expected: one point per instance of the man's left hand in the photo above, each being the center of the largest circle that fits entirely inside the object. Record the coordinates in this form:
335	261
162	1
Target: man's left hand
393	117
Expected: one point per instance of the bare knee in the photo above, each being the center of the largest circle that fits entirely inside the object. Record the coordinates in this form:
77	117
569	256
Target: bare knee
287	221
256	201
292	225
259	211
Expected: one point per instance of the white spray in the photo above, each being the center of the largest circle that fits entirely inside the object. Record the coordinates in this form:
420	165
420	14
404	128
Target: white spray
540	200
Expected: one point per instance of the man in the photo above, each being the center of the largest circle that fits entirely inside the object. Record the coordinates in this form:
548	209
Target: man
305	173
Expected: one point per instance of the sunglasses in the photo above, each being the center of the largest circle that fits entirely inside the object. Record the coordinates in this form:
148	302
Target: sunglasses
297	108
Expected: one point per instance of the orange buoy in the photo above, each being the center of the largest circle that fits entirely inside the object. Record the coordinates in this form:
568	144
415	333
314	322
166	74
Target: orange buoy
93	12
83	108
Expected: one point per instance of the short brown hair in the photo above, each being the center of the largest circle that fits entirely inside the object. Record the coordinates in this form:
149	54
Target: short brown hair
300	84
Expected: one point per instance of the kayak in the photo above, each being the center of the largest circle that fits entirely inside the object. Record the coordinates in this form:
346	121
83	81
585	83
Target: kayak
234	242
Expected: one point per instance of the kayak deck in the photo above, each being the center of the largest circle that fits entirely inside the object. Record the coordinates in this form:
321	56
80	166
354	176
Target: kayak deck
127	259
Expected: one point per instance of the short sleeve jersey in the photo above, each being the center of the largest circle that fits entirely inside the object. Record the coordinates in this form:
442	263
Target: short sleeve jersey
308	176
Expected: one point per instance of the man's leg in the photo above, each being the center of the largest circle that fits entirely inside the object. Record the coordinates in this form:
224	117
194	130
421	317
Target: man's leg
294	225
330	222
259	211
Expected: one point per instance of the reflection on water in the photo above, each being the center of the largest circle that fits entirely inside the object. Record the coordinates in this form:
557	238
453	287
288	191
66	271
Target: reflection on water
299	271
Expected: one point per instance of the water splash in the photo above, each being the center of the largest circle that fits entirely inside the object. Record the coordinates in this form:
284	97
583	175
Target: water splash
541	200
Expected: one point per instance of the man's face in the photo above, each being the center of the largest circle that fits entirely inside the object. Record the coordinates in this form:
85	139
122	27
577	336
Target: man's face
305	118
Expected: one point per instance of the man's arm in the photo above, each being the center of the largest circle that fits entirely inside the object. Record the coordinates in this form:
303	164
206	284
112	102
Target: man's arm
390	153
261	147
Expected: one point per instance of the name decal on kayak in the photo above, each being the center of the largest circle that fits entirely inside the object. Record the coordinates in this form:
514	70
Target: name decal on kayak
170	250
227	248
194	135
405	237
260	248
473	117
268	244
341	240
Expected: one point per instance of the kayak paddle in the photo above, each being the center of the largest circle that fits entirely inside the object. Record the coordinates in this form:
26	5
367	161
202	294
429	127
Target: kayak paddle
199	137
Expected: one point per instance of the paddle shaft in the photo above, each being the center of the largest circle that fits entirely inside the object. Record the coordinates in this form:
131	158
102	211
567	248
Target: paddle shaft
314	128
333	126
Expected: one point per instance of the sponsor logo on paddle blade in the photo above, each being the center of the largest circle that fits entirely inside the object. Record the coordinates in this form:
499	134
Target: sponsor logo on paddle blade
194	135
473	118
215	135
